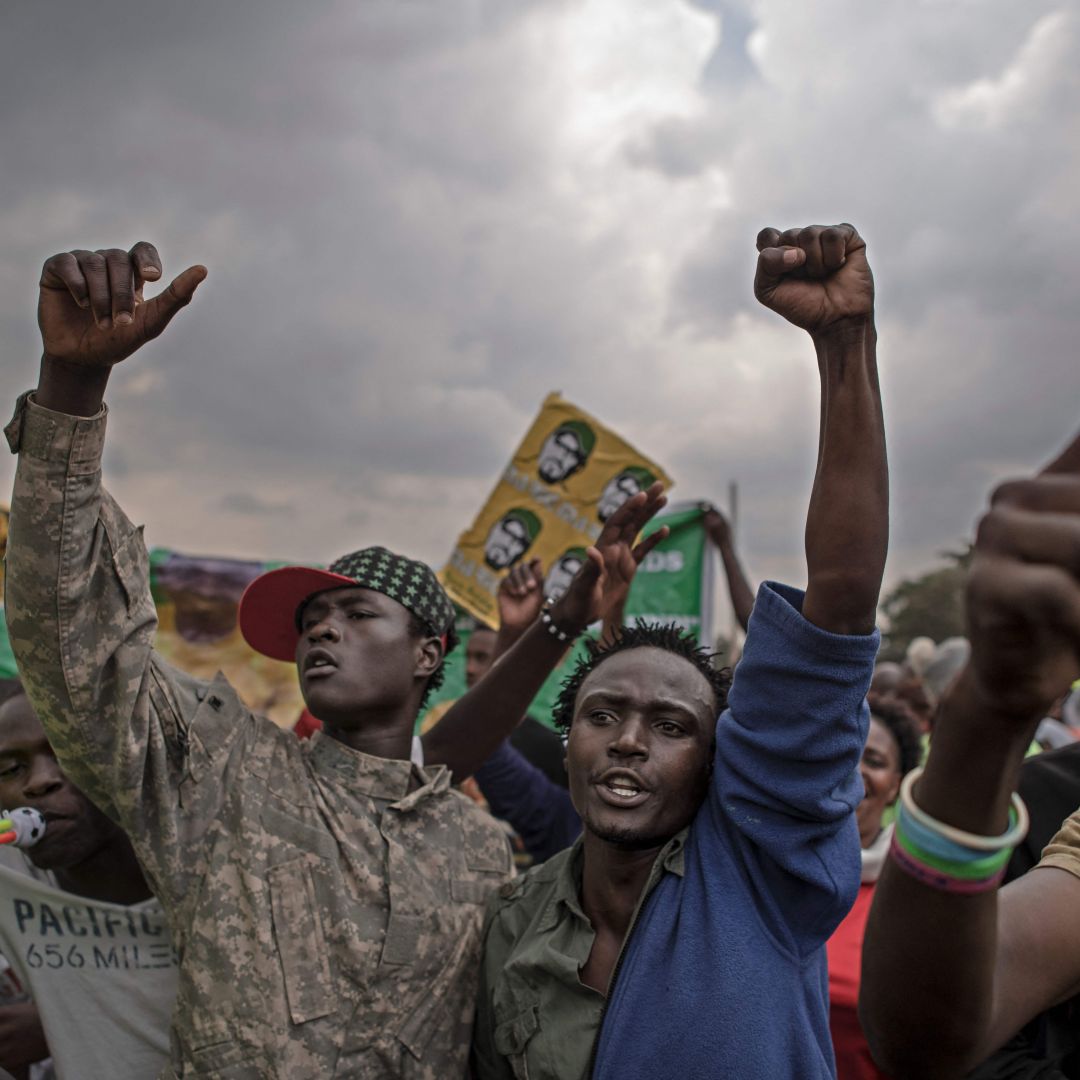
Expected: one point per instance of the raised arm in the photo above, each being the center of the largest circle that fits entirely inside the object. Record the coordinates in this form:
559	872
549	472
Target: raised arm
469	733
519	599
739	589
788	745
79	612
949	976
819	279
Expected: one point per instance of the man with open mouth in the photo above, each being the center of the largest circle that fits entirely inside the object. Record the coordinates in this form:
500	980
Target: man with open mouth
684	933
326	895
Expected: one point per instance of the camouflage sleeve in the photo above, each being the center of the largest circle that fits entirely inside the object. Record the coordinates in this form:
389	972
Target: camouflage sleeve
81	622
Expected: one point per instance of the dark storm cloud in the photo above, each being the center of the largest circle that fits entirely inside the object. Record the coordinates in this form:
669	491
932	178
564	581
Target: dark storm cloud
421	217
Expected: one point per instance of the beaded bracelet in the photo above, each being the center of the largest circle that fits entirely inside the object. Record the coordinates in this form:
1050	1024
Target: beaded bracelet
552	629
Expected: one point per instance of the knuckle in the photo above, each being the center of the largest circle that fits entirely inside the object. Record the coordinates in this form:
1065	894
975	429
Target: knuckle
991	526
94	262
1012	493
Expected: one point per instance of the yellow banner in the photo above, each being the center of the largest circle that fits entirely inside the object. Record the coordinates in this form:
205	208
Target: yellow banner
568	476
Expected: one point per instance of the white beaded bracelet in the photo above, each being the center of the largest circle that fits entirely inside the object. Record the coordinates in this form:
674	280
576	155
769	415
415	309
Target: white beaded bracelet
1010	838
552	629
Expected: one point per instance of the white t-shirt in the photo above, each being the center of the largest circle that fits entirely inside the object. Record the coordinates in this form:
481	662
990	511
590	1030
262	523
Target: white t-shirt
103	976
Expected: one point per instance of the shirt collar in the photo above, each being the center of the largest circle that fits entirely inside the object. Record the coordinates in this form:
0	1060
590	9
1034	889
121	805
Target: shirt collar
567	892
381	778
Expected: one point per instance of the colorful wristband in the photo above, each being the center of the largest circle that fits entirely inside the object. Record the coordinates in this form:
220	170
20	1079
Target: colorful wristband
976	870
935	879
941	847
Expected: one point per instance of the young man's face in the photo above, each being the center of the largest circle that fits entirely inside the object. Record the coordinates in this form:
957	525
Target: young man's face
507	541
75	829
560	455
478	653
356	655
640	749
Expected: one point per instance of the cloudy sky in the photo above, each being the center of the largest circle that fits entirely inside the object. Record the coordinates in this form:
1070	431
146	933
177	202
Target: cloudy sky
420	216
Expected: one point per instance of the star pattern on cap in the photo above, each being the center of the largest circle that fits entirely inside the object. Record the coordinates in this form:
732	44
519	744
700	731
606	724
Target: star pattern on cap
411	583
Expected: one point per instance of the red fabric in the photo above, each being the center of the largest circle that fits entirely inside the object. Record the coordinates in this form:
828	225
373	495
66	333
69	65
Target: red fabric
853	1061
306	726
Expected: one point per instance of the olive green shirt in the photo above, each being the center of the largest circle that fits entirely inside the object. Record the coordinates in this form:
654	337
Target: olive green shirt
535	1017
326	904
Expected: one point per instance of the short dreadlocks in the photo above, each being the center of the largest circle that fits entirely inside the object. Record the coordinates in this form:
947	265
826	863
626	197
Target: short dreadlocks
667	636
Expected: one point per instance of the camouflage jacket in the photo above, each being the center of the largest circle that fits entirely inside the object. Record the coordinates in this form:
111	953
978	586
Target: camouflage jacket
327	917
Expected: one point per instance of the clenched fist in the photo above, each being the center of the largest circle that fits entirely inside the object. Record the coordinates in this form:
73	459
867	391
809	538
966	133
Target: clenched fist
1023	595
817	277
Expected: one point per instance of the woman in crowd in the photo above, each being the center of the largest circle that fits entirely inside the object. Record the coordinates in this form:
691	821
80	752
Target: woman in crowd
892	750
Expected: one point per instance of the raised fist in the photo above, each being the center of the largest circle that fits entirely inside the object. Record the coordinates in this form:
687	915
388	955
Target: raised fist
1023	595
817	277
521	596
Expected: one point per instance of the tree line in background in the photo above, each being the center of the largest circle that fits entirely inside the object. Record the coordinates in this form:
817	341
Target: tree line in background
931	605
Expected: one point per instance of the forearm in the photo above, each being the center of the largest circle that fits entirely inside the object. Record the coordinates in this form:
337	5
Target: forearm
847	524
928	987
72	551
739	589
472	729
505	639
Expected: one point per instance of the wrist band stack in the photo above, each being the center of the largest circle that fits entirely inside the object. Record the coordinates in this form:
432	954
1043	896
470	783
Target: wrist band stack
947	858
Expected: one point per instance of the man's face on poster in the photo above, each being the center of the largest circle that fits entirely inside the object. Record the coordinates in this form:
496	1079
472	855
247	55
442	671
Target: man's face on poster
507	541
617	490
561	455
561	574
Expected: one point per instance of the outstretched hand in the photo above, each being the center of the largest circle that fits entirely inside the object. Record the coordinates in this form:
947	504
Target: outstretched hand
1023	592
601	585
91	309
520	597
816	277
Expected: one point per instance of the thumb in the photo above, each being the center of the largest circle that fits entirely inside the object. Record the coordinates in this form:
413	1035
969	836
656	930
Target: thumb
773	263
158	312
